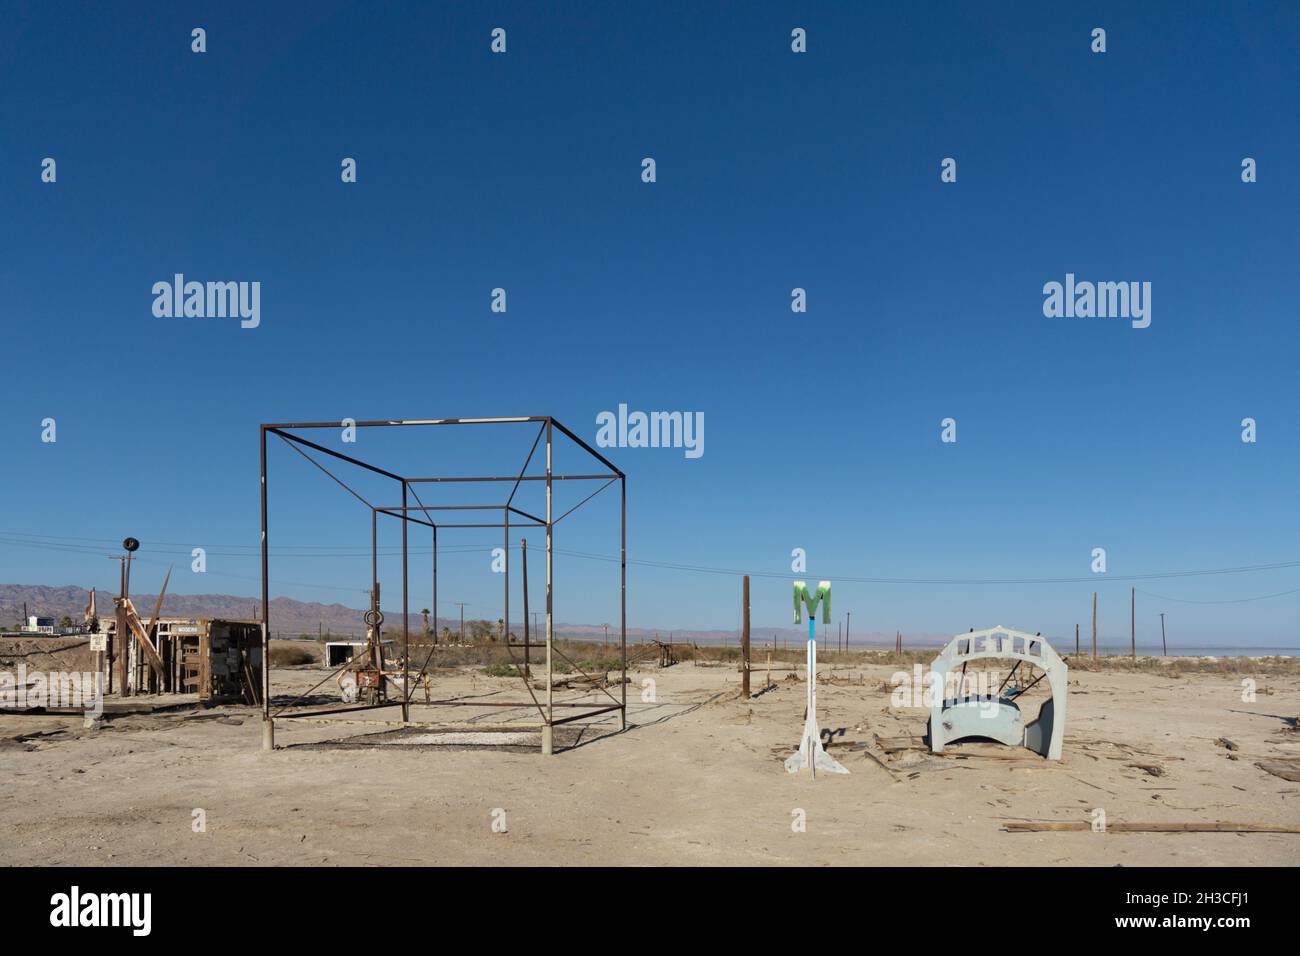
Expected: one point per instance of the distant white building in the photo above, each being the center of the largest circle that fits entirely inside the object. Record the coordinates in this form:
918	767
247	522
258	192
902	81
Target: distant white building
39	625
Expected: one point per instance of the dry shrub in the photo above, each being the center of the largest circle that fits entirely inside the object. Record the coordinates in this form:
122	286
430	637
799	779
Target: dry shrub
293	653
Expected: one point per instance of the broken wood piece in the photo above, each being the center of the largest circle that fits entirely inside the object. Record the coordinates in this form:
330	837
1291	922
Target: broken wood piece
881	764
1149	768
894	744
1286	769
1083	826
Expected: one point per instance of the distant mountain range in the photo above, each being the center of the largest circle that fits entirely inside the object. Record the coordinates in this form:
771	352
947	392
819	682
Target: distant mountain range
291	618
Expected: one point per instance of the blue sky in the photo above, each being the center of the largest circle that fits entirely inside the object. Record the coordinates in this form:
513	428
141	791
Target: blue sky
775	170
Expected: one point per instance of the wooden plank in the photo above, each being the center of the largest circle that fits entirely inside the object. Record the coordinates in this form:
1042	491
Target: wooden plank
894	744
1082	826
137	629
1286	769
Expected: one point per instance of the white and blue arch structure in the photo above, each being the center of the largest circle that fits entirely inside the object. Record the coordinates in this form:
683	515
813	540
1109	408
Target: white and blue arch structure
998	716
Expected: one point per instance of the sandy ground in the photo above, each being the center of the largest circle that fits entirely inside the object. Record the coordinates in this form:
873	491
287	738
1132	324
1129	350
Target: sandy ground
697	778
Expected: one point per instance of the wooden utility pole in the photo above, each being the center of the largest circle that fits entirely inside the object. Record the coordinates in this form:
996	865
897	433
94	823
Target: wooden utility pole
1132	623
847	622
1163	646
462	620
744	641
1094	623
1076	639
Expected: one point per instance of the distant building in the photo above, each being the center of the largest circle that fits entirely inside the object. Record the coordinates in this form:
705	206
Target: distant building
40	625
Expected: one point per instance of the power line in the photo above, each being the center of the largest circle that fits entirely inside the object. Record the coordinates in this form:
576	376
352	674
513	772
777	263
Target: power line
1262	597
735	572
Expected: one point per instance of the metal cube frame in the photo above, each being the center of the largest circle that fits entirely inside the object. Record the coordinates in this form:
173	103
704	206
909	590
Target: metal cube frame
409	514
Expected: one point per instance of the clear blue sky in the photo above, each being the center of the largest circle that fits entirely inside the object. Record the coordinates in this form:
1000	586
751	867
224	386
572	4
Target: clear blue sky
775	170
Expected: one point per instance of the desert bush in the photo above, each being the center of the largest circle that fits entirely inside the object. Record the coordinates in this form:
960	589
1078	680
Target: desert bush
292	654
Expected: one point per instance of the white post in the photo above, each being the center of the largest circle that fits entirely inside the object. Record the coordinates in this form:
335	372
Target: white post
811	753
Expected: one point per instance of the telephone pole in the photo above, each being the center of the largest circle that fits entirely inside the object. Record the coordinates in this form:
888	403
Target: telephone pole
1163	646
461	605
1132	623
1094	624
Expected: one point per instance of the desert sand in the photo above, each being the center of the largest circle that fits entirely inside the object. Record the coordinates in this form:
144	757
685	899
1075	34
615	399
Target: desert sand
697	778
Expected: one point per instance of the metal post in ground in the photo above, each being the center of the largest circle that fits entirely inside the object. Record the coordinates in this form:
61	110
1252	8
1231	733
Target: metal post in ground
744	640
548	729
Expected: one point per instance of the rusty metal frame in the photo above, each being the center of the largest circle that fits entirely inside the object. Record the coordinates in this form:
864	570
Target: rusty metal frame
409	514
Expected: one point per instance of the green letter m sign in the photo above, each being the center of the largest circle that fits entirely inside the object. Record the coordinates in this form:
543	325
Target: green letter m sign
801	597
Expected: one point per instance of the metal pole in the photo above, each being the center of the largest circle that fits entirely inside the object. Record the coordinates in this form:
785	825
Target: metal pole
435	584
1164	647
622	596
744	640
505	621
406	624
548	730
528	638
268	726
123	644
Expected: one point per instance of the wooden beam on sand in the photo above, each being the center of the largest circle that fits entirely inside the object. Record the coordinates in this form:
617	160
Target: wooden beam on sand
1082	826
